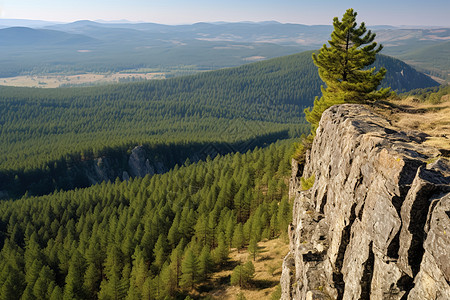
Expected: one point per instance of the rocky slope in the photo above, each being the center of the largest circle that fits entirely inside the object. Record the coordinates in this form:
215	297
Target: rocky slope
376	222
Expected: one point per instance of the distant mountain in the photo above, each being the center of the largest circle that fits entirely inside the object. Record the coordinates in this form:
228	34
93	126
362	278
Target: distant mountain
4	23
120	46
23	36
270	32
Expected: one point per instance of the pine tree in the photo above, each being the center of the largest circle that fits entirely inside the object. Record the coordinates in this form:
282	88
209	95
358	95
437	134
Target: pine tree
138	276
229	230
242	274
111	287
221	252
74	279
43	283
57	293
342	68
190	269
253	248
238	237
160	252
205	263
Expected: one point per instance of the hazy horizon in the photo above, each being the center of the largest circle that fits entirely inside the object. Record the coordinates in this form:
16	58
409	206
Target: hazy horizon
125	21
177	12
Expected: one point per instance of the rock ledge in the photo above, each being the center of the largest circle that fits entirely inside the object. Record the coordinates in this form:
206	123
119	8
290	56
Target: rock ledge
376	223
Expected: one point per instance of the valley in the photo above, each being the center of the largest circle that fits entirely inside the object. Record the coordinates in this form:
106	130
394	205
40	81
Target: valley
150	161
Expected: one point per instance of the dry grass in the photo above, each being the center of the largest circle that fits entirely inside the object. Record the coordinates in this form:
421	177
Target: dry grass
267	273
54	81
432	119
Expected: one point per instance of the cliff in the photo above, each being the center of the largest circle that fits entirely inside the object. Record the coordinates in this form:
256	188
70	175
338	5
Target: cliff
376	222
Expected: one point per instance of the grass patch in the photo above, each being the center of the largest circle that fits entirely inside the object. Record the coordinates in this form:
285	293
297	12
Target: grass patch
424	114
263	284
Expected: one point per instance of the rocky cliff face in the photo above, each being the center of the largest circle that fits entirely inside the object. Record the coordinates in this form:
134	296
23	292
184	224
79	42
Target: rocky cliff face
137	164
376	223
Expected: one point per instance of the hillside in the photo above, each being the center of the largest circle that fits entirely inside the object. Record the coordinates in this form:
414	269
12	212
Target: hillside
46	135
433	58
28	37
126	238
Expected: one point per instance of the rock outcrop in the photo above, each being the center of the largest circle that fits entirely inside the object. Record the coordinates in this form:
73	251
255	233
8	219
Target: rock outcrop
376	223
138	163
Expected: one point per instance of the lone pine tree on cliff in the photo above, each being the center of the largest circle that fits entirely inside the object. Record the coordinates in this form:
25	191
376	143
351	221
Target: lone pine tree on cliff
342	66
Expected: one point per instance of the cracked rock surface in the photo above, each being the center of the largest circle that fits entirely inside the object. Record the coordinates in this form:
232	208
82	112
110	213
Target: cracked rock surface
376	223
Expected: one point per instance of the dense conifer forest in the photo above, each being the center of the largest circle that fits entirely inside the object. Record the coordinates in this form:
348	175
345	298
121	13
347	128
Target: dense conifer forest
44	131
40	125
146	238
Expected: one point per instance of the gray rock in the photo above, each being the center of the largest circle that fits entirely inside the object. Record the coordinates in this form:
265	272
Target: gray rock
364	229
138	164
125	176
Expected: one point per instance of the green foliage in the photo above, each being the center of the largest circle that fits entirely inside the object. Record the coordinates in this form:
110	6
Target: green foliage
205	263
48	137
342	67
110	241
238	237
242	274
190	270
307	183
40	126
253	248
433	95
301	148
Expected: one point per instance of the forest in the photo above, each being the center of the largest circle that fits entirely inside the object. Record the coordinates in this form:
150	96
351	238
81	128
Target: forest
44	132
160	236
123	239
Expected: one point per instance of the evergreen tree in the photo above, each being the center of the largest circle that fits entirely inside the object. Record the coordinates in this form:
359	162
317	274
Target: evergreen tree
159	252
190	270
242	274
43	283
229	230
57	293
205	263
253	248
111	287
220	253
74	279
138	276
238	237
342	67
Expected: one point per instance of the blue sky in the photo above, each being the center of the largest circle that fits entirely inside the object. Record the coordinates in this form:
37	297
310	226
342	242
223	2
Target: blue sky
378	12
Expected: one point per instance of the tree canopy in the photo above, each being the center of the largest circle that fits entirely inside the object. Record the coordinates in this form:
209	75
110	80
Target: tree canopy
343	68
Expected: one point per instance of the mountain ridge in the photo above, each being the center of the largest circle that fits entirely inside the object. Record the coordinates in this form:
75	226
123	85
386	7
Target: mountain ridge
153	45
